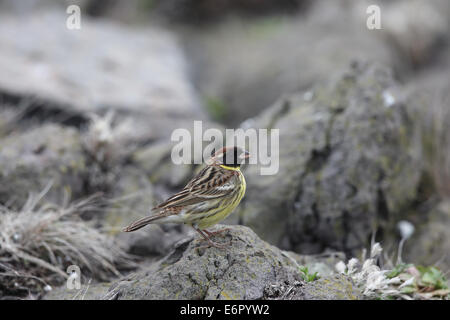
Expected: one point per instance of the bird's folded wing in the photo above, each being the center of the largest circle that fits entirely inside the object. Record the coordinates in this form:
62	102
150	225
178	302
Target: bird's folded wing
210	183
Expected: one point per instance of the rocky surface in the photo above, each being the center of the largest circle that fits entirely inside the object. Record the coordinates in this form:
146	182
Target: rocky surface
231	82
192	273
336	287
346	164
241	57
249	269
430	243
140	74
96	103
33	159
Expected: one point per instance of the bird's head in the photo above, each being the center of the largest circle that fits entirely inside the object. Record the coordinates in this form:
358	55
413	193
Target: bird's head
229	156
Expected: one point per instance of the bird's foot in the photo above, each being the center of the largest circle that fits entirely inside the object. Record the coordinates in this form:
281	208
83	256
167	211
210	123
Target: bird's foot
206	237
215	245
214	233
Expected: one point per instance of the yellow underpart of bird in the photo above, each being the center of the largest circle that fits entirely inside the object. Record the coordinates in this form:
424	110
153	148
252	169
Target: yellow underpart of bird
220	209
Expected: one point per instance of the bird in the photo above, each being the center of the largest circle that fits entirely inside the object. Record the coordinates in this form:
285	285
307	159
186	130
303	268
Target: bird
208	198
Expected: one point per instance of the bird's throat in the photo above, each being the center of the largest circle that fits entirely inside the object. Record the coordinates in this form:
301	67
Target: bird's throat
230	168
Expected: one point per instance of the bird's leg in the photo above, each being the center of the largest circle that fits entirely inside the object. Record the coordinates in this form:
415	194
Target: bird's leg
213	233
206	238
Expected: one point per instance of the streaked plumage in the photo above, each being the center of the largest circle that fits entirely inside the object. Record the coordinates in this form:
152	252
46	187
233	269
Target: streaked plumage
207	199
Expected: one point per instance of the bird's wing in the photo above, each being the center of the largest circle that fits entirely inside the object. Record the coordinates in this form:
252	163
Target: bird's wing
210	183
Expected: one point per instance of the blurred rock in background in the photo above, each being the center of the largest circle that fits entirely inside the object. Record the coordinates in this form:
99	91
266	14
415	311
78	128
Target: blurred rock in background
346	165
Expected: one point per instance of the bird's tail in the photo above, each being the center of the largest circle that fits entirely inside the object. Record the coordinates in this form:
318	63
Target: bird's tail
142	223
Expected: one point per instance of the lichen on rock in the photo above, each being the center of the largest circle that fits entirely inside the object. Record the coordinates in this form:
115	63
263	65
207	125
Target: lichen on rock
346	164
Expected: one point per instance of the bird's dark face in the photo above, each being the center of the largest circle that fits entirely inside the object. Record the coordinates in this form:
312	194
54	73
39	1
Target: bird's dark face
230	156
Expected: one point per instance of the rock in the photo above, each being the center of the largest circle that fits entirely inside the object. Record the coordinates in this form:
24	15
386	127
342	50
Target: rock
140	74
417	30
324	263
335	287
195	12
155	161
7	119
430	243
249	269
152	241
132	198
30	160
347	165
429	97
240	272
234	60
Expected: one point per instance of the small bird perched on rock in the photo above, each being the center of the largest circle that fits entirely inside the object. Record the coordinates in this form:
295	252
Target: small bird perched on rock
207	199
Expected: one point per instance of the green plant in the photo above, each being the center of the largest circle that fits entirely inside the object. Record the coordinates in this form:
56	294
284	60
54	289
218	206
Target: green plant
216	108
398	269
308	277
432	278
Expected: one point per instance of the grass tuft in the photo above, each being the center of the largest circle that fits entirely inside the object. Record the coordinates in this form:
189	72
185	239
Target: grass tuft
39	242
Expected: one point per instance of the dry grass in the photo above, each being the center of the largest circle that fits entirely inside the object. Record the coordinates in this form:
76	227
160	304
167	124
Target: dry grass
38	243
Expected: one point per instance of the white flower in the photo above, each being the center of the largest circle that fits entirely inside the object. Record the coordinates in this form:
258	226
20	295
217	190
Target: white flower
371	278
388	99
376	250
351	265
101	127
340	267
406	229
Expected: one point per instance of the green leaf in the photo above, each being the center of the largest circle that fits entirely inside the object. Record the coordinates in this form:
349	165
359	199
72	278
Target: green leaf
398	269
308	277
433	277
408	289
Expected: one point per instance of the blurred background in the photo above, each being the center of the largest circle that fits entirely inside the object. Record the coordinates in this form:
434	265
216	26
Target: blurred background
86	117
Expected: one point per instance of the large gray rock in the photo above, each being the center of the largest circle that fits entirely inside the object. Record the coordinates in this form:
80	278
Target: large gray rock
417	30
430	243
347	164
244	66
249	269
140	74
131	198
240	272
30	160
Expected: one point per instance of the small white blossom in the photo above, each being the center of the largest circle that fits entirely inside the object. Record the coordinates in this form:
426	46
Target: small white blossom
388	99
340	267
406	229
352	264
101	128
371	278
376	250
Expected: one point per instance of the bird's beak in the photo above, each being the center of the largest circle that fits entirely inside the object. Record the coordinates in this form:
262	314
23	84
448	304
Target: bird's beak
245	155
